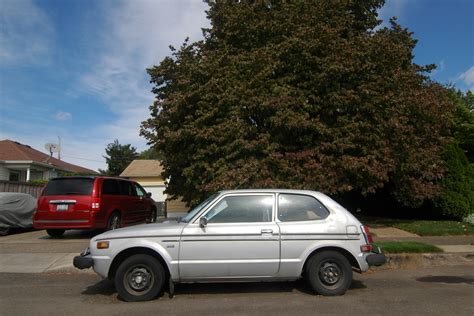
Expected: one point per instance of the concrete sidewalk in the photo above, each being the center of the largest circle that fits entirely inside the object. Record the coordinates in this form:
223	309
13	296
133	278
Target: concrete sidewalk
39	263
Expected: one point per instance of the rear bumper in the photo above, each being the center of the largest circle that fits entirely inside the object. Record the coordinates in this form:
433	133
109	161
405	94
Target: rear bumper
65	224
376	258
83	261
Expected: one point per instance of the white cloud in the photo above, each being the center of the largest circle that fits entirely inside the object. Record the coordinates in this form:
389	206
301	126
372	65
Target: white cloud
392	8
137	36
25	33
468	78
63	116
440	67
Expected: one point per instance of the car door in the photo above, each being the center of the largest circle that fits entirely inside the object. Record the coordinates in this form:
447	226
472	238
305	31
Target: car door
128	201
240	240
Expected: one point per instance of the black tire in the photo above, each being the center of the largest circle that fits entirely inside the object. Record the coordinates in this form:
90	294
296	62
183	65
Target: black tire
139	278
114	221
329	273
55	233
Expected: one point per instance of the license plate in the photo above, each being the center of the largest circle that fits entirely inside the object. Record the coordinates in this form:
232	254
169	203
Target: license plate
61	207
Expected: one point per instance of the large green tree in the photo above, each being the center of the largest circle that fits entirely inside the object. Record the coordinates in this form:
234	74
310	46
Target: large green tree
298	94
118	157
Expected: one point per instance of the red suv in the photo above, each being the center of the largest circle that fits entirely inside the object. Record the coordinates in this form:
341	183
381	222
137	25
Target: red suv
92	202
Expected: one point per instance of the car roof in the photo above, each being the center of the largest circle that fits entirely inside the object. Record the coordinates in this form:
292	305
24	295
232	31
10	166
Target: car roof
290	191
91	177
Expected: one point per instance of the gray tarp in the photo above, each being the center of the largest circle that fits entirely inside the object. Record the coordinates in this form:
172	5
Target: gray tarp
16	210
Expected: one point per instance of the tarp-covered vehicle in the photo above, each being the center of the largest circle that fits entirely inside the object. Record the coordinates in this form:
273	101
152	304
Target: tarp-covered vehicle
16	211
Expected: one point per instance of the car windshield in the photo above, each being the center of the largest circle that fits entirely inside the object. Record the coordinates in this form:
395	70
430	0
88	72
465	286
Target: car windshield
69	186
194	211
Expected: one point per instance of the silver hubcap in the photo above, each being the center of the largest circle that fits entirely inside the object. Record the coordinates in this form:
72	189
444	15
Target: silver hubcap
139	279
330	273
115	222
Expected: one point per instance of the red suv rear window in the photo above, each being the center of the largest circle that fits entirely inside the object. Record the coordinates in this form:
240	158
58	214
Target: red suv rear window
69	186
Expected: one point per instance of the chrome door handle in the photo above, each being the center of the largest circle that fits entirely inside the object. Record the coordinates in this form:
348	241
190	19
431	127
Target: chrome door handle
267	231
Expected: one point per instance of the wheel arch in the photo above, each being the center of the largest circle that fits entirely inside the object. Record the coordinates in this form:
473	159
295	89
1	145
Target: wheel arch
349	256
126	253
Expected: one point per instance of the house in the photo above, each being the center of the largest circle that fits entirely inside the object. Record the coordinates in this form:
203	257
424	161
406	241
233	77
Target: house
22	163
148	174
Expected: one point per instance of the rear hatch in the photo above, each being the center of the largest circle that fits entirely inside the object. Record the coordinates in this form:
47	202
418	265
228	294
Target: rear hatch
66	199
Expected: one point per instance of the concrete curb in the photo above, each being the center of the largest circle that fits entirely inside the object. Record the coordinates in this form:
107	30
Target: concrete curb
415	260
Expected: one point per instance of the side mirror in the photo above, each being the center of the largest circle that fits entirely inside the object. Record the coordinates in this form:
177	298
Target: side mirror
148	194
202	222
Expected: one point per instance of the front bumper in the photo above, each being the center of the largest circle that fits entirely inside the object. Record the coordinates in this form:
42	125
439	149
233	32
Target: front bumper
376	258
84	260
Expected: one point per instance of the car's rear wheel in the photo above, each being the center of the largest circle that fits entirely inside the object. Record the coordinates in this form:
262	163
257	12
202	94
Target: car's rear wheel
55	233
114	221
329	273
139	278
153	216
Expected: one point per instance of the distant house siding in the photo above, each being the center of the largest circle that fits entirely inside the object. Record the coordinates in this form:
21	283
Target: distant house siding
154	185
4	173
176	206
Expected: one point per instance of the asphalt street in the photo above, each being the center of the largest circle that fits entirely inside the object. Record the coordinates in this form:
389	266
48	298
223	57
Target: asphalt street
427	291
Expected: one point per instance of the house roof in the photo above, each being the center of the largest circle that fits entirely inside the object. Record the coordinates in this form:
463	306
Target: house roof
14	151
143	168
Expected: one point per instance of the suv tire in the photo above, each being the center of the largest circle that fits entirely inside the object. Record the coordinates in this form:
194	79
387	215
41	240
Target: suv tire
55	233
139	278
114	221
329	273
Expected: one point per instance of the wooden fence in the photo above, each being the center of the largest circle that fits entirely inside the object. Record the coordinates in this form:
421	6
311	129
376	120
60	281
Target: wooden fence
21	187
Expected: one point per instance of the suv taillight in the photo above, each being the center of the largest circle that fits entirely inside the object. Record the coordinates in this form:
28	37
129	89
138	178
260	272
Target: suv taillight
368	239
95	206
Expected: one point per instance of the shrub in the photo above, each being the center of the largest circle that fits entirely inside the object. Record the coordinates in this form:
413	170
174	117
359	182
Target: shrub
457	196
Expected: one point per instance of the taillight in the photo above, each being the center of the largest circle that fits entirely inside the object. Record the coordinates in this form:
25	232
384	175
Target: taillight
95	206
367	235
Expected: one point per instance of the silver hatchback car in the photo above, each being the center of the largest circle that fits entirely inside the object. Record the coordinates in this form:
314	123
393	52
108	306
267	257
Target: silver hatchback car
239	235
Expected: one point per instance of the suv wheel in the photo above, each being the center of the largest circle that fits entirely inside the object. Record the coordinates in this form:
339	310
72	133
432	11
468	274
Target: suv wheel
55	232
329	273
114	221
153	216
139	278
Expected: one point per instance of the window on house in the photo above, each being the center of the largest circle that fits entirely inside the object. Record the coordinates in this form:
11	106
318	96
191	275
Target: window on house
14	176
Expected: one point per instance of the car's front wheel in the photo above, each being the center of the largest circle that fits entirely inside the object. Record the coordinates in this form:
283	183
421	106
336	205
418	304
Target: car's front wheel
329	273
139	278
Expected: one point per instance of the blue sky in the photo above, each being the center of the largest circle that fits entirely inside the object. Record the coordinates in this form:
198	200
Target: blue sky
76	68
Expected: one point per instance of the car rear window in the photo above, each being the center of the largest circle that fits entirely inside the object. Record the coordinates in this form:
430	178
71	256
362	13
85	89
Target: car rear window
72	186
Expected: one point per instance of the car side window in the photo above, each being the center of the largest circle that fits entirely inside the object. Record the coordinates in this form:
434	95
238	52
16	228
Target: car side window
241	209
139	190
110	187
296	207
126	188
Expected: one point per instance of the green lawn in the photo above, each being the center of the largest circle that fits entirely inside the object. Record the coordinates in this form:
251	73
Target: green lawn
436	228
406	247
422	227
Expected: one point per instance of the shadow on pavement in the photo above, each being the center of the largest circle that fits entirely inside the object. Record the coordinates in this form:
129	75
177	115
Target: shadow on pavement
73	234
446	279
106	288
